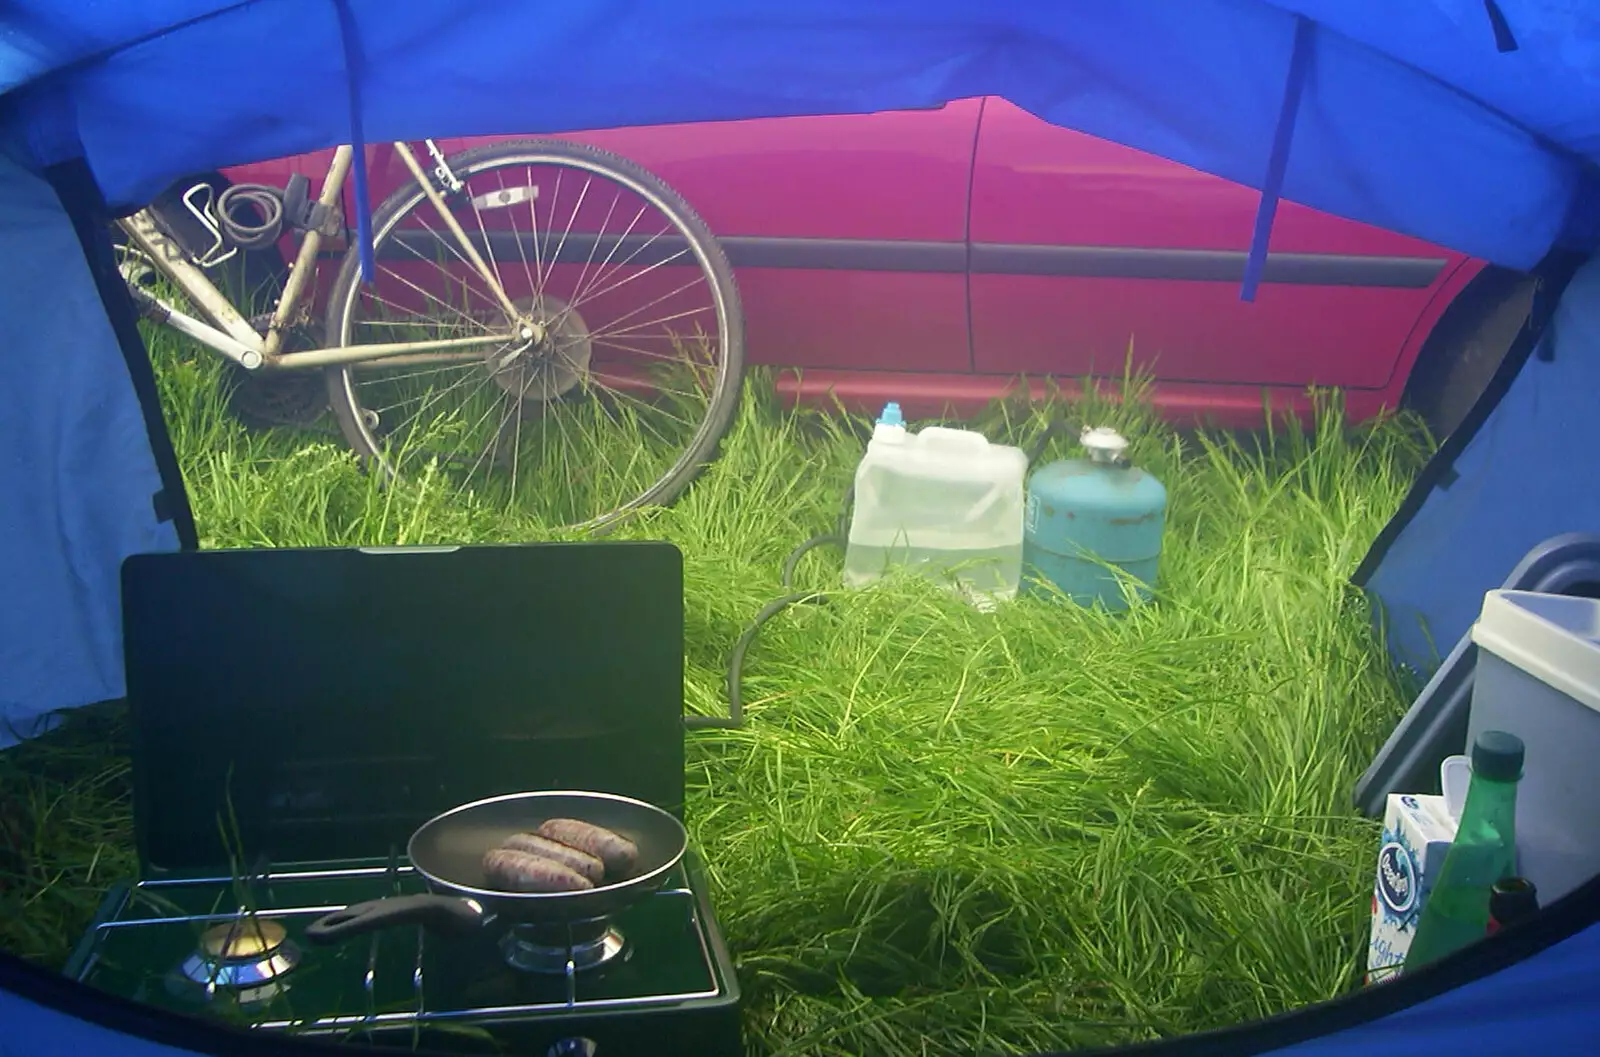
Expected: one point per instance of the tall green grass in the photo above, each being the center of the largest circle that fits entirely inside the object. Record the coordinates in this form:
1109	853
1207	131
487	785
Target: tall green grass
941	830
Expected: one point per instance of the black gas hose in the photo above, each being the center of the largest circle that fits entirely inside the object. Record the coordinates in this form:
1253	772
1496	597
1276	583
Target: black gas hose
735	717
839	537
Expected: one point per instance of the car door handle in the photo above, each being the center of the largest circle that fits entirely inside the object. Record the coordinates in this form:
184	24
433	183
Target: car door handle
910	109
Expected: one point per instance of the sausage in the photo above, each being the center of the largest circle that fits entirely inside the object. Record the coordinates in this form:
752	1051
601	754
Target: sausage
617	852
518	871
572	858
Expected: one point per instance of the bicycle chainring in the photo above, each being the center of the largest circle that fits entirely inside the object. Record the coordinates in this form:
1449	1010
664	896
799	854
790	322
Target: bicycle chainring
271	399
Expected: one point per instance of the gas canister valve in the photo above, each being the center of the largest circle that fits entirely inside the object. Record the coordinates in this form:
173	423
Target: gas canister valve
1104	444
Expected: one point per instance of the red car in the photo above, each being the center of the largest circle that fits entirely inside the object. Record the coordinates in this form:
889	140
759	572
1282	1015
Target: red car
936	256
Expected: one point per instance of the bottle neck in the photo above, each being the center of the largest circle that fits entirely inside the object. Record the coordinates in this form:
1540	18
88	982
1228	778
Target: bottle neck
1490	802
886	431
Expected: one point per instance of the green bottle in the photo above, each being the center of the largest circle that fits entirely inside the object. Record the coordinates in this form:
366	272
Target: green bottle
1483	852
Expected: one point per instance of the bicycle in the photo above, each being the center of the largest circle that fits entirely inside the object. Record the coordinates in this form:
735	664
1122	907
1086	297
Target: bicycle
506	343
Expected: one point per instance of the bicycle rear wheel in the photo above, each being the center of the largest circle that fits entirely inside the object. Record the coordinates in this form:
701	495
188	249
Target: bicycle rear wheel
637	378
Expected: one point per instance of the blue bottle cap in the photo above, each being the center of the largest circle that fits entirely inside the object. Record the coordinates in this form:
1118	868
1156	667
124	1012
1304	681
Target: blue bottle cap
891	415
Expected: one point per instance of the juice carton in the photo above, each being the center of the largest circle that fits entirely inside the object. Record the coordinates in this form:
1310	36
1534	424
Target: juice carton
1417	832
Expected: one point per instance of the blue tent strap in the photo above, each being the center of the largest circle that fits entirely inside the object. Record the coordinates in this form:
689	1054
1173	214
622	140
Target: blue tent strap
1278	160
355	68
1504	40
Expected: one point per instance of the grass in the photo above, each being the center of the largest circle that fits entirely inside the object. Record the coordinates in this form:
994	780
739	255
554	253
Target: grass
941	831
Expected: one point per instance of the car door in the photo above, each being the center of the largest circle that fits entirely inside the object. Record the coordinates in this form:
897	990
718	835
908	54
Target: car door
1081	247
847	233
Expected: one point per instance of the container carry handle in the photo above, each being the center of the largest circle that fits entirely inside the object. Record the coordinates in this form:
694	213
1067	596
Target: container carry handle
938	437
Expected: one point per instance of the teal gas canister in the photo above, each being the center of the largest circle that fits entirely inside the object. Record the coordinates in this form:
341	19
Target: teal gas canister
1099	507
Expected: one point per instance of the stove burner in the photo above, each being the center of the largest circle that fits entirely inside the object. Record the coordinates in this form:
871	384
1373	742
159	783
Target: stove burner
243	955
657	970
548	948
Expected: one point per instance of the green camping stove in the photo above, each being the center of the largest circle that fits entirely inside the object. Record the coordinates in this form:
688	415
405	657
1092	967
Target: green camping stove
664	982
247	833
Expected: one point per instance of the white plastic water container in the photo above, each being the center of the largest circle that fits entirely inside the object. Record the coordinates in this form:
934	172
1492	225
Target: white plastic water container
1538	677
944	502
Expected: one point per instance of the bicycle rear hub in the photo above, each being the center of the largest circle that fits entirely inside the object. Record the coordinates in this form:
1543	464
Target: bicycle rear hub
553	363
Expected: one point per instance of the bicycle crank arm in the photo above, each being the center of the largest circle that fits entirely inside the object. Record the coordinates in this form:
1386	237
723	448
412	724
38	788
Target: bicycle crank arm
158	311
169	259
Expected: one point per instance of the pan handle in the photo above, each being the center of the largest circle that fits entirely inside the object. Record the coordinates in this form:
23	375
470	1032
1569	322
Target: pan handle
433	912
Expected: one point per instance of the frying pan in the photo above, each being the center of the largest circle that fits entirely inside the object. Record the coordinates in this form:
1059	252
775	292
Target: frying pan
447	851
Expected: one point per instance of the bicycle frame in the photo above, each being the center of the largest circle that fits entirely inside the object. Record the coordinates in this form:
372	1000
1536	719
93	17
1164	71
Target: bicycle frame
231	335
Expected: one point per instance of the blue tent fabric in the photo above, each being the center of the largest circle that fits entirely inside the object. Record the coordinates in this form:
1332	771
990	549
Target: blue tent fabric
1468	123
77	472
1411	118
1550	998
1525	476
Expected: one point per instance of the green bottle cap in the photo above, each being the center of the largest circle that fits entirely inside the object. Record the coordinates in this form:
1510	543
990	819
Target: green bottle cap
1497	756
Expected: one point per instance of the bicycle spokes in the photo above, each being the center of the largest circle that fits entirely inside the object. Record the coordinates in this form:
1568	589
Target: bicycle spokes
619	386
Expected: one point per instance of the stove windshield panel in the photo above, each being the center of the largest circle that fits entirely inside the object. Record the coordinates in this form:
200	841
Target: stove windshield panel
322	703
